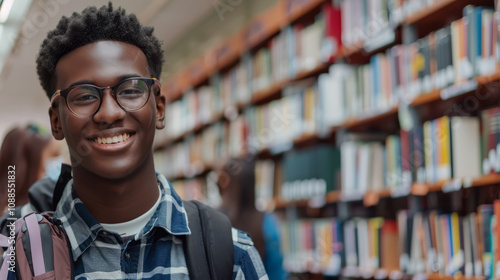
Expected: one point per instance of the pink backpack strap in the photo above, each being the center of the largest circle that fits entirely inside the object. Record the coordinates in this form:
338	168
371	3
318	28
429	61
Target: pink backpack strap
4	240
36	244
34	234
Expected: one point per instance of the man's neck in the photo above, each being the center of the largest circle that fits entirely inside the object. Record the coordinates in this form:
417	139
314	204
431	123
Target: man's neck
117	200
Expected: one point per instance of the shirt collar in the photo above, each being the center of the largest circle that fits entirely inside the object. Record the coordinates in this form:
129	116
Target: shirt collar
82	229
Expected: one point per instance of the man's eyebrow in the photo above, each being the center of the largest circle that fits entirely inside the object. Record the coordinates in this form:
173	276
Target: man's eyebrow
84	82
89	82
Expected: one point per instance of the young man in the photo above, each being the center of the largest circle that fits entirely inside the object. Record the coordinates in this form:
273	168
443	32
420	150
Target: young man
123	220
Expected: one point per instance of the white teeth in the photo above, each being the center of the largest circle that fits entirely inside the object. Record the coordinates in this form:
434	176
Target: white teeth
113	140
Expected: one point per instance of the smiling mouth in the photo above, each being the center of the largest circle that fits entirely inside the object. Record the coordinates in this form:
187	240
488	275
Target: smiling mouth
112	140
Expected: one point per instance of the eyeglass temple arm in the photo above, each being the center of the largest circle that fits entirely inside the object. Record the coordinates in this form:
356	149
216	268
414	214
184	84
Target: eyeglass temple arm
157	83
54	97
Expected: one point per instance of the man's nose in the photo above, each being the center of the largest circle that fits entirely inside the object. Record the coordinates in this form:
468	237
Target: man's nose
110	111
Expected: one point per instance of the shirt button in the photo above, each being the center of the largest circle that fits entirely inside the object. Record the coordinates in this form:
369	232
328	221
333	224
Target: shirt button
127	255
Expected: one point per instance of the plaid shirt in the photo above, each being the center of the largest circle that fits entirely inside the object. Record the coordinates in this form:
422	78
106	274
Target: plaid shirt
156	252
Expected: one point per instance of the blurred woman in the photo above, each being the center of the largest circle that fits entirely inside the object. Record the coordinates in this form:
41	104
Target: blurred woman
29	149
236	183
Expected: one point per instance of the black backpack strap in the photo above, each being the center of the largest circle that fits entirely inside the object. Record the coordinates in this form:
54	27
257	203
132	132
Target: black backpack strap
64	178
40	195
210	232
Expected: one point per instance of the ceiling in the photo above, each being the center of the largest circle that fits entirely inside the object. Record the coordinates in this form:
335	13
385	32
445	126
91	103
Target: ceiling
22	99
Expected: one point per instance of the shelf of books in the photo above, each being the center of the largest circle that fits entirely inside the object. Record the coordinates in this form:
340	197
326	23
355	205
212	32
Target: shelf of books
375	126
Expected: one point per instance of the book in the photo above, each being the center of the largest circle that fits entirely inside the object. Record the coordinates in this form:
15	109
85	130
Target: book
332	42
465	147
485	213
389	258
446	155
311	172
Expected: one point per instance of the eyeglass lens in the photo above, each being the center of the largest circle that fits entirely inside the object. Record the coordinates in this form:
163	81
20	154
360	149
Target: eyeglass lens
85	100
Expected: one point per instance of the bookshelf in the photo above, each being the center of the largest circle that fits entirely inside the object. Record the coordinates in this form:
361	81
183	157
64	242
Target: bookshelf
371	198
373	123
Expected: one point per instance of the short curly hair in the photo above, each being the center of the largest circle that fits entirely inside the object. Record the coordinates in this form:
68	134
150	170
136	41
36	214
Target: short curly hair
90	26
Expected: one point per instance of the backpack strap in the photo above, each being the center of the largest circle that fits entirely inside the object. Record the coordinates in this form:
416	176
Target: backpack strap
61	183
35	241
6	243
211	232
42	249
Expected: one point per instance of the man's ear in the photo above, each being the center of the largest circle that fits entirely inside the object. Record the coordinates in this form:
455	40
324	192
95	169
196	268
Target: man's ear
160	111
55	123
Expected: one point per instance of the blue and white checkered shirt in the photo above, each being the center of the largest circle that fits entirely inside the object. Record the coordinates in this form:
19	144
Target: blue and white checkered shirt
156	252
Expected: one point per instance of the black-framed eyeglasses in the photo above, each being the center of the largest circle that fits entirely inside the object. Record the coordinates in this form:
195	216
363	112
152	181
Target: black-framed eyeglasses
130	94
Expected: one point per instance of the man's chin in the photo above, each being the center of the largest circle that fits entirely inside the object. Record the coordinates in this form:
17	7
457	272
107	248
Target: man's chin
109	172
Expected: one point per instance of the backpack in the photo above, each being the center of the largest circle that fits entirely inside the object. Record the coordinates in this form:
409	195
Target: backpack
43	250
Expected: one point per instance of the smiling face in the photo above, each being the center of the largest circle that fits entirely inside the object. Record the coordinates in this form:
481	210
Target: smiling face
112	143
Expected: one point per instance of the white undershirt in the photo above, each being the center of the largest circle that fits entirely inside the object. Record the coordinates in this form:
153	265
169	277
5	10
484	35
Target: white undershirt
134	226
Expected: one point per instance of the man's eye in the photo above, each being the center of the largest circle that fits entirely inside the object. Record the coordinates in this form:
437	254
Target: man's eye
87	98
130	91
83	99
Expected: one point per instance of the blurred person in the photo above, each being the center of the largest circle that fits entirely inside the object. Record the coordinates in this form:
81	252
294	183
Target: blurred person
30	150
236	181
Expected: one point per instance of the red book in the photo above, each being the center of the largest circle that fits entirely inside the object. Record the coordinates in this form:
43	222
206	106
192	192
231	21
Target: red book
389	248
333	29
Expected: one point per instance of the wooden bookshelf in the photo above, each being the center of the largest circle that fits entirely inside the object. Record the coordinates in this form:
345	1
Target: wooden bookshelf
194	172
436	10
493	78
296	10
331	197
321	68
392	275
484	180
371	198
175	87
197	72
427	98
230	51
352	124
280	204
305	139
260	97
441	13
261	30
487	180
441	277
274	90
372	120
434	14
271	93
348	51
264	26
435	95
